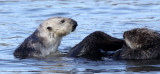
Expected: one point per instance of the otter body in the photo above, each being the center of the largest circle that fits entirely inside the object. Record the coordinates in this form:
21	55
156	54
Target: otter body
46	39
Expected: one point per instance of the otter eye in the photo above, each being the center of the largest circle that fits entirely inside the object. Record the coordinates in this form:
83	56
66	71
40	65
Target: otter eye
62	21
49	28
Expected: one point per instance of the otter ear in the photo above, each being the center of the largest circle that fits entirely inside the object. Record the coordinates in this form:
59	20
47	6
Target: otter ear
49	28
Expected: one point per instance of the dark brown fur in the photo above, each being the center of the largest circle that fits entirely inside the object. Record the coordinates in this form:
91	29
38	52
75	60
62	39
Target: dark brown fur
140	43
25	50
90	47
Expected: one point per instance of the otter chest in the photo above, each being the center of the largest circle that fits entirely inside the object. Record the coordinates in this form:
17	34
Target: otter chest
51	48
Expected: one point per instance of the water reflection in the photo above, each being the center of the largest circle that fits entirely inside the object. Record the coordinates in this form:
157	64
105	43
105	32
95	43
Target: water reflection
143	62
143	69
143	65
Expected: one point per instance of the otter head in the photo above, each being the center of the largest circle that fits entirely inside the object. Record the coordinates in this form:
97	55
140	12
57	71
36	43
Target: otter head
51	31
59	26
140	37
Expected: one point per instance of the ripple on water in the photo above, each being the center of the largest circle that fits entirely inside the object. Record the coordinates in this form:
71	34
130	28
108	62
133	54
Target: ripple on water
35	9
4	44
6	12
57	14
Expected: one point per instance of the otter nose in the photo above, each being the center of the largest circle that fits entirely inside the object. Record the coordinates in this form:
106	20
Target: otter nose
74	25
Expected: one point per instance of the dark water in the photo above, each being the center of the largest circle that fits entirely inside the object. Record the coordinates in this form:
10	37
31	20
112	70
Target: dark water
19	18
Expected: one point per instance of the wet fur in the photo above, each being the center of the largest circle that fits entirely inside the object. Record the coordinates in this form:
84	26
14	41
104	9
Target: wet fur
140	43
29	47
91	46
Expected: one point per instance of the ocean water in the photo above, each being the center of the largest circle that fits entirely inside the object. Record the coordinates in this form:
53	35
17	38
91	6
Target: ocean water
20	18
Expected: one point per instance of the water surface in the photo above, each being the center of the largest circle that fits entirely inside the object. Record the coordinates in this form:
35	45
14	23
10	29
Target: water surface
20	18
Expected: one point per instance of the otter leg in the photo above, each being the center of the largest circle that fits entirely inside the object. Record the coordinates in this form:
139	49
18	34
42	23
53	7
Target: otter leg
90	46
108	43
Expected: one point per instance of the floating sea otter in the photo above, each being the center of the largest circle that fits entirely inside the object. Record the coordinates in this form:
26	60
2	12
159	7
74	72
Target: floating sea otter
139	43
46	39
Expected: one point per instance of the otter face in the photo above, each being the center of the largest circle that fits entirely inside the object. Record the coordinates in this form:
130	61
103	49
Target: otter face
140	37
59	26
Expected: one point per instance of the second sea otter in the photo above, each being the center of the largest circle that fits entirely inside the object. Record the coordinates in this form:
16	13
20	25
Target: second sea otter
139	43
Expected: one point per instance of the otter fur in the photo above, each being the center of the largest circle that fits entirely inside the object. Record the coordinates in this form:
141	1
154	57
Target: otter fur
92	45
46	38
140	43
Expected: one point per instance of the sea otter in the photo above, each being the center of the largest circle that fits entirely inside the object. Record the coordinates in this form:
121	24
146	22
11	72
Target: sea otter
139	43
46	39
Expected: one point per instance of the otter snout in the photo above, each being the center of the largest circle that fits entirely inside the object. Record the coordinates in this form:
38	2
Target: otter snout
125	34
74	25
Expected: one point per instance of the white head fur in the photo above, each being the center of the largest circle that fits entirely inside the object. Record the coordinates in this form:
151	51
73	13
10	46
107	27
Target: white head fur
52	30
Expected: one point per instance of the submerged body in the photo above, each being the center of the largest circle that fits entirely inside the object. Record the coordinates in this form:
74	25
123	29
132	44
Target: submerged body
46	39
